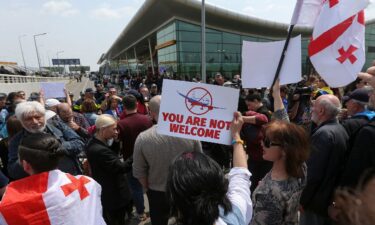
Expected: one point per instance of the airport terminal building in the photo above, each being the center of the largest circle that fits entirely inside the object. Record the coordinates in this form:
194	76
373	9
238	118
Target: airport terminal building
165	37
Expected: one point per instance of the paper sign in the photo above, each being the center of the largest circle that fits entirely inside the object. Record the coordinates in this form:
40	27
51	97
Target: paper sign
53	90
197	111
260	60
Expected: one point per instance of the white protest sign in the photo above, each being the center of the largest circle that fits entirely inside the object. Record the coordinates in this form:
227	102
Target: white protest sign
197	111
53	89
260	60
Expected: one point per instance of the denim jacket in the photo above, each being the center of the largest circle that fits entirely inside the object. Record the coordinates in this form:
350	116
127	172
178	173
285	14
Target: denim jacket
69	140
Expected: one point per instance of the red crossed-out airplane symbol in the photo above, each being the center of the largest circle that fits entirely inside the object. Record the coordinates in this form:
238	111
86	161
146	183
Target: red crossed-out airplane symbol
77	184
348	54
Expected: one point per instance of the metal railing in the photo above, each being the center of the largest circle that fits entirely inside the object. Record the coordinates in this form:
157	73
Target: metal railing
6	78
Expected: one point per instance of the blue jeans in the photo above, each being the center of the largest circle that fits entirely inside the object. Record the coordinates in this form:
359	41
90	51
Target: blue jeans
137	193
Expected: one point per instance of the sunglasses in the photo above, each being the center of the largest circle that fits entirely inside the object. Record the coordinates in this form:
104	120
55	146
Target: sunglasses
268	143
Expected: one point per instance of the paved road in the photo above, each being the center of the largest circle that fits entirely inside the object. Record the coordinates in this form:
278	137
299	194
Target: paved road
76	87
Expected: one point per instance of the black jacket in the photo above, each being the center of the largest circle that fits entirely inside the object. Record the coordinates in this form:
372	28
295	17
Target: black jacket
361	155
328	146
109	171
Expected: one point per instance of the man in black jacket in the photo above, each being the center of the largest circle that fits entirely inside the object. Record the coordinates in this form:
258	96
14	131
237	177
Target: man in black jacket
360	155
109	171
329	143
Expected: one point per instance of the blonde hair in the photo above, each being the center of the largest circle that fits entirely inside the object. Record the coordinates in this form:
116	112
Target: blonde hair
104	121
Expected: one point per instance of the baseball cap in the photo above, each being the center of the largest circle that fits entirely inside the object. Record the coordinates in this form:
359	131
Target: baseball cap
89	90
153	85
34	95
51	102
361	95
3	95
135	93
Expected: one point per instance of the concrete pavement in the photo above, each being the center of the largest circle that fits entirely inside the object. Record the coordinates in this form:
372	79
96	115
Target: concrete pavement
76	87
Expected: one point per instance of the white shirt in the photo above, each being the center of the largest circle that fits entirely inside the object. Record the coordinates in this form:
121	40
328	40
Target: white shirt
239	193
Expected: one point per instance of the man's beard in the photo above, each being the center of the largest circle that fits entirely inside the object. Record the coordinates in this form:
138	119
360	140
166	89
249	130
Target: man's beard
37	130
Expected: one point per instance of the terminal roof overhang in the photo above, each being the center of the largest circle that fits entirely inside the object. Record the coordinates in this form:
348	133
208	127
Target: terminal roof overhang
155	13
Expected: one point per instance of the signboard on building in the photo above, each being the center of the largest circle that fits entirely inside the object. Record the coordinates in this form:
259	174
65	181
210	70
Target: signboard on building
197	111
57	62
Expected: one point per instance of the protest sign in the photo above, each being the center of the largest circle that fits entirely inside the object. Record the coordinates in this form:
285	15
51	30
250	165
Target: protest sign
259	63
53	90
197	111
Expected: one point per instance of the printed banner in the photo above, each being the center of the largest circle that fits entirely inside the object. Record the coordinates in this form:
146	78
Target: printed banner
197	111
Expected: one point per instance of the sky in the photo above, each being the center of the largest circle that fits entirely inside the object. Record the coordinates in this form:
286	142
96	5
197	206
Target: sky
85	29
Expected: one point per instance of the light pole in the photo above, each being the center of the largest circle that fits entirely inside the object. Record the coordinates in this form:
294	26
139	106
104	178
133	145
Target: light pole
37	53
58	63
23	57
203	28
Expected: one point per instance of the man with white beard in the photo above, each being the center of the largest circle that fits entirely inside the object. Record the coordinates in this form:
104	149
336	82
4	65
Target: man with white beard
328	146
32	117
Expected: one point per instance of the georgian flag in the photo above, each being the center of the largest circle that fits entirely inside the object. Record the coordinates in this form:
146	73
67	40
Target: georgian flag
337	47
52	198
326	13
338	54
306	12
335	12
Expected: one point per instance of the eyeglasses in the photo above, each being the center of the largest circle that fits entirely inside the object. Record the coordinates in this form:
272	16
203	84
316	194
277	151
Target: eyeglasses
268	143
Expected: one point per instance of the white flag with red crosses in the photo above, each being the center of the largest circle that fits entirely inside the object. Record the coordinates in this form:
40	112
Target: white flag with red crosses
52	198
337	47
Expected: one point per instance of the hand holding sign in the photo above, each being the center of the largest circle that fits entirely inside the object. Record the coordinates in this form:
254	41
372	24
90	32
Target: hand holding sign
236	125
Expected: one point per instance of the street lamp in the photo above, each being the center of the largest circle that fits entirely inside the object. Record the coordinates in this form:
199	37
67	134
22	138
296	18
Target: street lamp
58	63
23	57
37	53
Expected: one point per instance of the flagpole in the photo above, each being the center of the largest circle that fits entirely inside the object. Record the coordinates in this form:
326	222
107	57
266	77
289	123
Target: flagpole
282	57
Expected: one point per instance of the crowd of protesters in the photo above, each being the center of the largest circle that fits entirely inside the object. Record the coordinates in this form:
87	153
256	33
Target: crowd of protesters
298	156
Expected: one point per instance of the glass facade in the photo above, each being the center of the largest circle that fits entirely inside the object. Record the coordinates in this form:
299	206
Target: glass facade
178	47
223	50
370	45
167	56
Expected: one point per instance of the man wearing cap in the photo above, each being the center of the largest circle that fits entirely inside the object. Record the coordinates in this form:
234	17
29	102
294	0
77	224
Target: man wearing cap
99	94
51	107
89	94
360	155
153	90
